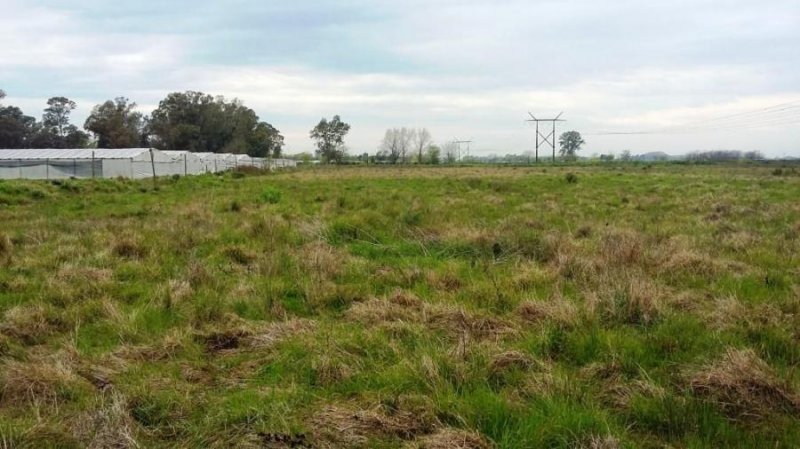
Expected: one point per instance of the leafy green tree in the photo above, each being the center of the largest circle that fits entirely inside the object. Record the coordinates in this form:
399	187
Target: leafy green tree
56	130
194	121
116	124
571	142
433	155
330	139
56	121
16	128
266	141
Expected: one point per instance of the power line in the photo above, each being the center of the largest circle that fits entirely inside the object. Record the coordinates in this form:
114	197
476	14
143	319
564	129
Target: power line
780	114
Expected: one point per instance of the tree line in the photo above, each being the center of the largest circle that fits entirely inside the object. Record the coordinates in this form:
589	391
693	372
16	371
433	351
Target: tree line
188	121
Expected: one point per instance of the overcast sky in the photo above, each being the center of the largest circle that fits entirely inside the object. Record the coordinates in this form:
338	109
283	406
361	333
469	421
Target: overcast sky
466	69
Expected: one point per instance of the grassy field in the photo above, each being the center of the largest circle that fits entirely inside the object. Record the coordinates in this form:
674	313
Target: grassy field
469	307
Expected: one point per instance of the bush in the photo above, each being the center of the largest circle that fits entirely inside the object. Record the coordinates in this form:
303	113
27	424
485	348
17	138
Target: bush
270	195
571	178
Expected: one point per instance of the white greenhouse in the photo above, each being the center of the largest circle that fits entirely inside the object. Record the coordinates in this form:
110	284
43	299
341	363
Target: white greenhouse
85	163
133	163
188	163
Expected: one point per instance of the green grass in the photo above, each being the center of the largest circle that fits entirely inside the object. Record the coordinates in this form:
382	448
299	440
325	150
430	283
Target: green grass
622	306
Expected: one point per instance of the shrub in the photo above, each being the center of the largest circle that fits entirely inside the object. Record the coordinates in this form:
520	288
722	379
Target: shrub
571	178
270	195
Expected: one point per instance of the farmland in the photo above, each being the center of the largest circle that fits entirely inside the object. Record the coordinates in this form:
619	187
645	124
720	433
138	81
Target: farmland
474	307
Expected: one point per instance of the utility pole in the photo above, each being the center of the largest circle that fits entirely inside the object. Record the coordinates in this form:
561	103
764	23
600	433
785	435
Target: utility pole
541	139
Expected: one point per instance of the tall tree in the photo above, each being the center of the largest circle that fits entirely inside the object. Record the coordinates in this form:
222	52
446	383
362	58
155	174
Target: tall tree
56	131
329	136
266	141
450	151
16	128
116	124
421	141
56	118
390	146
571	142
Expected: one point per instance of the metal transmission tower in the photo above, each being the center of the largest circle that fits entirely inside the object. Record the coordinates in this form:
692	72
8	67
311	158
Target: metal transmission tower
551	138
459	142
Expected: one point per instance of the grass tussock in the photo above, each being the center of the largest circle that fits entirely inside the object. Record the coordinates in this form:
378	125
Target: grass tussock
32	323
556	310
450	438
338	426
6	246
129	248
43	380
744	386
108	425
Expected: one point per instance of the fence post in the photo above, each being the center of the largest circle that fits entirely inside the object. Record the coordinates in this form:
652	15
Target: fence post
153	164
184	165
92	164
47	168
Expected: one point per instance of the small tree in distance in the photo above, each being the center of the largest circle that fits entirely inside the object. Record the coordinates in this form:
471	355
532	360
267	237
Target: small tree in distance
571	142
330	138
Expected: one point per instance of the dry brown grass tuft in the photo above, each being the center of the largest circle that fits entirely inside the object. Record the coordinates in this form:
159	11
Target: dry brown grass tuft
400	306
129	248
108	426
236	334
458	322
510	360
71	273
447	282
269	335
557	310
43	380
165	349
240	254
622	247
571	265
31	323
633	299
321	260
337	426
6	246
178	291
330	370
545	381
450	438
599	442
729	312
744	386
